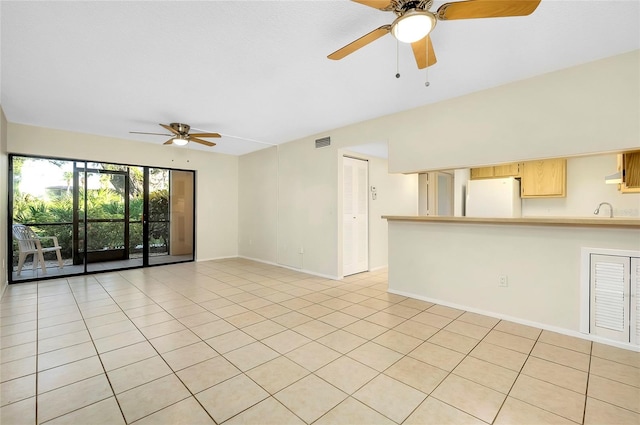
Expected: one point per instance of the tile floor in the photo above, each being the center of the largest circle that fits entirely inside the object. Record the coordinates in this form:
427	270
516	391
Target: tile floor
239	342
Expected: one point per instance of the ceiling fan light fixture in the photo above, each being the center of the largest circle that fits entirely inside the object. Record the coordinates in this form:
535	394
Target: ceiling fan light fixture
413	25
180	140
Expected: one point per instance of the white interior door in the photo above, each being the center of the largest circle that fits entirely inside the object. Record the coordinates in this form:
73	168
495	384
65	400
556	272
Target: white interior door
355	206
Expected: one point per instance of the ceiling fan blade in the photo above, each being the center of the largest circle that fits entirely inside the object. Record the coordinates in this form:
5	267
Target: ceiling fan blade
486	9
202	142
216	135
155	134
376	4
361	42
168	142
171	129
424	59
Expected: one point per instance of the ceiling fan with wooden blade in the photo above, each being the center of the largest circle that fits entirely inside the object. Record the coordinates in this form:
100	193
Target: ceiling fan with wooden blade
414	22
180	135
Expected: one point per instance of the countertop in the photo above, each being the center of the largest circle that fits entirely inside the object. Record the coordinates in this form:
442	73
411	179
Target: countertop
616	222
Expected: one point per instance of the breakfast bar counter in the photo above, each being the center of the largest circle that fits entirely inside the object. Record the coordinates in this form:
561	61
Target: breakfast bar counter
619	222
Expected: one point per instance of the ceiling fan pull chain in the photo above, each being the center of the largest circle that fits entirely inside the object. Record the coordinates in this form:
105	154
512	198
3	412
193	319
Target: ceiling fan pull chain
397	59
426	69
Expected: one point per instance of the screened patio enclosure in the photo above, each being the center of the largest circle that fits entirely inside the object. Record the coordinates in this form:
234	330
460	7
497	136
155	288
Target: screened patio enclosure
103	216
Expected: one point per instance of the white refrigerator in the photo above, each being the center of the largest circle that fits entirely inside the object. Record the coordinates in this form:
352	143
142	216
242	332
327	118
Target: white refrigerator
494	198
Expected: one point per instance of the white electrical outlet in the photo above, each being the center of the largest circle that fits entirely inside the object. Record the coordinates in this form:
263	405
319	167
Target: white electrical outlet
301	250
503	281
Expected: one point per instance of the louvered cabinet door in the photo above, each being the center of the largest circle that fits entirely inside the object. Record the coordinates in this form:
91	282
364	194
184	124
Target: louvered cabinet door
609	314
635	301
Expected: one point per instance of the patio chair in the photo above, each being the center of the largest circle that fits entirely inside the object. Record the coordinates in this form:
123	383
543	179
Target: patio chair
29	243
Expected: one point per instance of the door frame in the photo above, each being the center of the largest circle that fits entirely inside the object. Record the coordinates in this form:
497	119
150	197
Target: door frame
344	156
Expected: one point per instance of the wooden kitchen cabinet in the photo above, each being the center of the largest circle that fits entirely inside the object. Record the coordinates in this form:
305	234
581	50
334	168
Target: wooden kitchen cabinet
497	171
629	164
544	179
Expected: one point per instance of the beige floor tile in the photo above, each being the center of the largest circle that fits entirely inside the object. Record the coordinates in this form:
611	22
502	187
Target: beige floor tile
565	341
451	313
17	389
198	319
62	329
416	329
615	371
510	341
105	412
230	341
517	412
432	320
347	374
18	339
351	411
245	319
21	412
139	373
338	319
184	311
358	310
392	398
336	303
417	374
314	329
127	355
365	329
161	329
316	311
263	329
17	352
213	329
403	311
189	355
69	373
474	399
552	398
273	310
229	310
398	341
415	304
518	329
342	341
433	411
231	397
460	343
63	341
313	356
310	398
118	341
268	412
617	393
277	374
111	329
554	373
152	319
375	356
75	396
561	356
598	412
251	355
437	356
467	329
15	328
286	341
17	368
151	397
484	373
175	340
208	373
291	319
619	355
101	320
385	319
500	356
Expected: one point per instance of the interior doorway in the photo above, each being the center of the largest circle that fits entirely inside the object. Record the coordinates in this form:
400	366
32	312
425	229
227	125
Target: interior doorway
355	216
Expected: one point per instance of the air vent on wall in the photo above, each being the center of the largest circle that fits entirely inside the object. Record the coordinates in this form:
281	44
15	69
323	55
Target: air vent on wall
324	142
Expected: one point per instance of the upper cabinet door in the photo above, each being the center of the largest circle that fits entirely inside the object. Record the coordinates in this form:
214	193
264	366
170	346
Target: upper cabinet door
547	178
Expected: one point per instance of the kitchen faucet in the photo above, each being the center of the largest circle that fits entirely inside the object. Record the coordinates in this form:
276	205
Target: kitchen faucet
597	211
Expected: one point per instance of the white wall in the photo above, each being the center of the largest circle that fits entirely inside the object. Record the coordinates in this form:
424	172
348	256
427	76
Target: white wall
589	108
4	277
585	190
258	205
459	264
216	175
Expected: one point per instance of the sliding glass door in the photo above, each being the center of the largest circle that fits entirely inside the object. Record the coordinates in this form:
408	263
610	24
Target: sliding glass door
103	216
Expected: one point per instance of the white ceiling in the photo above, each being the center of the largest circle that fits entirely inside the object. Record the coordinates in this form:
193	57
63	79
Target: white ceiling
257	72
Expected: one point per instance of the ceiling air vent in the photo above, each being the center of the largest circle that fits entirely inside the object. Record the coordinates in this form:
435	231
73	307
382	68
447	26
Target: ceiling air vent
323	143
